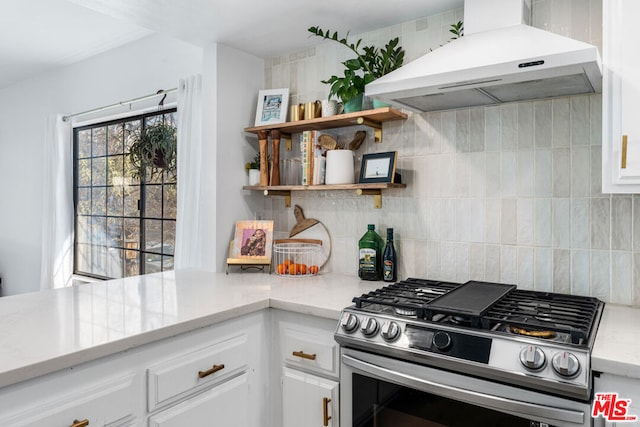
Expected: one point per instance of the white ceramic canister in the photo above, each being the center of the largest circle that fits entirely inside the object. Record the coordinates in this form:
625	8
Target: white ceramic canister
339	169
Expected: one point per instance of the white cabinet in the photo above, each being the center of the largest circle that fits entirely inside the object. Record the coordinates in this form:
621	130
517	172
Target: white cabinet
307	358
309	399
626	388
620	95
74	400
226	405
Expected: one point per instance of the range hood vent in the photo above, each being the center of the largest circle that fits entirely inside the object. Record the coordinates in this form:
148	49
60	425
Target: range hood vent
489	65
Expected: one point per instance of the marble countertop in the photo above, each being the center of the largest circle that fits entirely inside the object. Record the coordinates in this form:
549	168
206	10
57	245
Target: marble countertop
617	346
47	331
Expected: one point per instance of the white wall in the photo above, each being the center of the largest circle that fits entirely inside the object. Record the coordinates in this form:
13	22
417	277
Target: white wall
136	69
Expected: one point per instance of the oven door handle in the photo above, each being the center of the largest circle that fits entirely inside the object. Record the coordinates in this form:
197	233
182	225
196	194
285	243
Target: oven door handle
514	407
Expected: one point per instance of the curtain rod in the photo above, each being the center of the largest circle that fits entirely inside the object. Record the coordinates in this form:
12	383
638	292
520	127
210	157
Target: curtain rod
119	104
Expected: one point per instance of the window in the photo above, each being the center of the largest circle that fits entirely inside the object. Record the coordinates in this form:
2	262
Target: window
123	226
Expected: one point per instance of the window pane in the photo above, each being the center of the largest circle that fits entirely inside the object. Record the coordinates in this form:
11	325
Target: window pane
99	201
115	202
83	258
132	266
153	235
83	229
84	143
84	201
130	129
154	201
170	201
99	231
84	173
115	232
99	261
115	263
115	144
131	197
99	171
169	234
115	166
99	142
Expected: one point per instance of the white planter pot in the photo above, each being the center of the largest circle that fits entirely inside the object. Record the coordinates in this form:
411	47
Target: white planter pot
254	176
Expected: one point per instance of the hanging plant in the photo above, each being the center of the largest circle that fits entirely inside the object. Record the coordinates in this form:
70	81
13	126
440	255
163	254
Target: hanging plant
154	150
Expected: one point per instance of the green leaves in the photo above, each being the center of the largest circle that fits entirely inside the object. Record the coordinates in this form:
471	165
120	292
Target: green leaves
369	64
457	30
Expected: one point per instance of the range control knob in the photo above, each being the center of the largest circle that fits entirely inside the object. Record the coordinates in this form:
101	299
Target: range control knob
565	364
532	358
442	341
369	327
390	331
350	323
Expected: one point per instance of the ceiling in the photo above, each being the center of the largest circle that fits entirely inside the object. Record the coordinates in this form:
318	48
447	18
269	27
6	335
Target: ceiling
39	35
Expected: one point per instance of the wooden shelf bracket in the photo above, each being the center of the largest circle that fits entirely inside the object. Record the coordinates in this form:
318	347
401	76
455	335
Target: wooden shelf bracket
285	193
377	196
376	126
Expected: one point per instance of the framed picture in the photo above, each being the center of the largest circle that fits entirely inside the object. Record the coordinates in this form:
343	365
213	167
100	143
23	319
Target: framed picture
378	167
272	106
253	239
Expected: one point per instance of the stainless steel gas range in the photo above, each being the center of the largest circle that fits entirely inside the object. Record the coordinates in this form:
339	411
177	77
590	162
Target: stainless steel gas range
430	354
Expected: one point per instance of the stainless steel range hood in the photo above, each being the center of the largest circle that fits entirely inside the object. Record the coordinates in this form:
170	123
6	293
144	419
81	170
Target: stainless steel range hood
499	59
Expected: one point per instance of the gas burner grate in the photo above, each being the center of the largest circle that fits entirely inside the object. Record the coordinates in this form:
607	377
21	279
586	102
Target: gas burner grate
571	314
406	298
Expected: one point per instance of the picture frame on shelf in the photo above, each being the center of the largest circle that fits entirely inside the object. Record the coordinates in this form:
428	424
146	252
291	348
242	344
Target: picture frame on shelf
272	106
378	167
253	239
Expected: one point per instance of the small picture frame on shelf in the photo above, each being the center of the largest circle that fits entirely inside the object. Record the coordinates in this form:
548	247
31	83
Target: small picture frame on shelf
378	167
272	106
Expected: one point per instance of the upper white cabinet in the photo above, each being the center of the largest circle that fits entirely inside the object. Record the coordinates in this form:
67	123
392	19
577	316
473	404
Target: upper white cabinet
620	95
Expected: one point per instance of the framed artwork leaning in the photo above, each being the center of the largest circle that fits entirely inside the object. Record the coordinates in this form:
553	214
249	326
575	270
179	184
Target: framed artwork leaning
272	106
253	239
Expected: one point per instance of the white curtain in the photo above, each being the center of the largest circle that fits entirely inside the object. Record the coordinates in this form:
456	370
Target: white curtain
188	245
57	220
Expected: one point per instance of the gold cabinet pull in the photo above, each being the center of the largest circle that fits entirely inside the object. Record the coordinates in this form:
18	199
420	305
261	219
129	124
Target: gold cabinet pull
304	355
213	370
83	423
624	152
325	411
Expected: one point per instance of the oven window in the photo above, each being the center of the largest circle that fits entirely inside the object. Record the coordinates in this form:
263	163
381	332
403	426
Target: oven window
378	403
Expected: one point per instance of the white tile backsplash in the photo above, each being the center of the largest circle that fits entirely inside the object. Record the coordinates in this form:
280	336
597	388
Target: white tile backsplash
506	193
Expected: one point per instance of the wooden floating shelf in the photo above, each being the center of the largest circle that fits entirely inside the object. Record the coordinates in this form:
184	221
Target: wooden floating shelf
374	190
372	118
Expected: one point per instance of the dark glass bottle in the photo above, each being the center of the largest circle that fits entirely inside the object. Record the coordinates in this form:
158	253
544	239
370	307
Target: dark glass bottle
389	260
370	255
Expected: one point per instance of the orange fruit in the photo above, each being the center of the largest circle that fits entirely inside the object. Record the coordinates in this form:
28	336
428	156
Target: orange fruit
313	269
292	269
302	268
288	262
281	269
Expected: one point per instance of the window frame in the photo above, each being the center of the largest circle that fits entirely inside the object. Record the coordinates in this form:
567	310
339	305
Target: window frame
143	252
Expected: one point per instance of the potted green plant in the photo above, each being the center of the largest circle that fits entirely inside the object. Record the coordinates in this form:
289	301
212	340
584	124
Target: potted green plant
369	64
253	167
154	150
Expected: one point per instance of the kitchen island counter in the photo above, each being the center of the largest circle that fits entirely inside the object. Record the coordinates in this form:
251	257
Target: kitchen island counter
47	331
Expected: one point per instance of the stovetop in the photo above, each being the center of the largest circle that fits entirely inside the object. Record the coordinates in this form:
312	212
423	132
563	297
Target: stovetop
488	306
535	339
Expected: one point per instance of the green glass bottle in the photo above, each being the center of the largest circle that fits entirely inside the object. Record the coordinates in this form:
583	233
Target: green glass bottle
389	259
370	256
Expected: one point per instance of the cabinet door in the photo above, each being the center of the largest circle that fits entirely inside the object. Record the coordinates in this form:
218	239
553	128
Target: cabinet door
109	403
224	405
308	400
621	91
